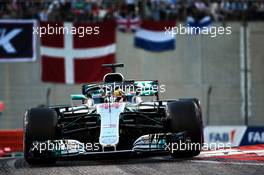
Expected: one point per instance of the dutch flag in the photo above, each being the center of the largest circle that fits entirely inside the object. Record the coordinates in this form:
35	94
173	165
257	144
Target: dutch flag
152	36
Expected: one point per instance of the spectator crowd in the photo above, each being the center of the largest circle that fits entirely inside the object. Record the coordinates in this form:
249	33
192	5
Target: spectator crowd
98	10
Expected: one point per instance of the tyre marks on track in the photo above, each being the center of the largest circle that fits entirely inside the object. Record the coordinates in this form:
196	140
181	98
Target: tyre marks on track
154	165
4	167
242	160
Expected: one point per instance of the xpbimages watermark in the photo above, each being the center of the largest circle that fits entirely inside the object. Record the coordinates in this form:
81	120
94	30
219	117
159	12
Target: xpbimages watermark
212	31
58	146
80	31
147	89
189	146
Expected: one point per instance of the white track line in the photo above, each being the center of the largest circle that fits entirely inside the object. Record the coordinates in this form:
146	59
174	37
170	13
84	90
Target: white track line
230	152
232	163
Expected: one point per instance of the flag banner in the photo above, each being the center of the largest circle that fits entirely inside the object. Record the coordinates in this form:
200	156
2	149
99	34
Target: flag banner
17	40
196	26
152	36
73	57
2	106
128	24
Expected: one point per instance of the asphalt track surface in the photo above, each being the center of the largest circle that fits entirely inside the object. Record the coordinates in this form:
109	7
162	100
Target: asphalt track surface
231	162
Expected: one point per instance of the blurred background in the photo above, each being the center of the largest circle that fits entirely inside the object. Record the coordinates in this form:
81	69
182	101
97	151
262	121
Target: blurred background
224	72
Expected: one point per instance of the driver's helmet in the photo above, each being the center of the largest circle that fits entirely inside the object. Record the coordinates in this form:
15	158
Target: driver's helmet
118	95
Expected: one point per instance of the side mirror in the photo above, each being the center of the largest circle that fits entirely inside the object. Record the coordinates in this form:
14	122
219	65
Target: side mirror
78	97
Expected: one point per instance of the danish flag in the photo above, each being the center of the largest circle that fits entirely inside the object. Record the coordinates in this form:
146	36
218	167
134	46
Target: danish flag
69	58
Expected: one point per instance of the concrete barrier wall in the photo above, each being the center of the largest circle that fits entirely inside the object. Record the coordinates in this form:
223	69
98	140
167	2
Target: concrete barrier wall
257	65
197	63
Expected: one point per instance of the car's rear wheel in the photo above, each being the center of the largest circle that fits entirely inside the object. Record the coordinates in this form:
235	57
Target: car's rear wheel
39	126
185	116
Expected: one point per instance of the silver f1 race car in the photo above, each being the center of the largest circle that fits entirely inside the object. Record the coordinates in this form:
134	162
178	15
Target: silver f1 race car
114	117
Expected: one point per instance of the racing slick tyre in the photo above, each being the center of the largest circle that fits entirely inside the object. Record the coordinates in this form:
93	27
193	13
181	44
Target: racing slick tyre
39	125
185	116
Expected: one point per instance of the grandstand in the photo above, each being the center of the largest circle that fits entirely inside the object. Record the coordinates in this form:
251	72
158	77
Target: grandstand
91	10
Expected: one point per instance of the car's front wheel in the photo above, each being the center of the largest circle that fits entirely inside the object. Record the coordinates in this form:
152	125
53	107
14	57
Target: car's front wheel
39	126
185	116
